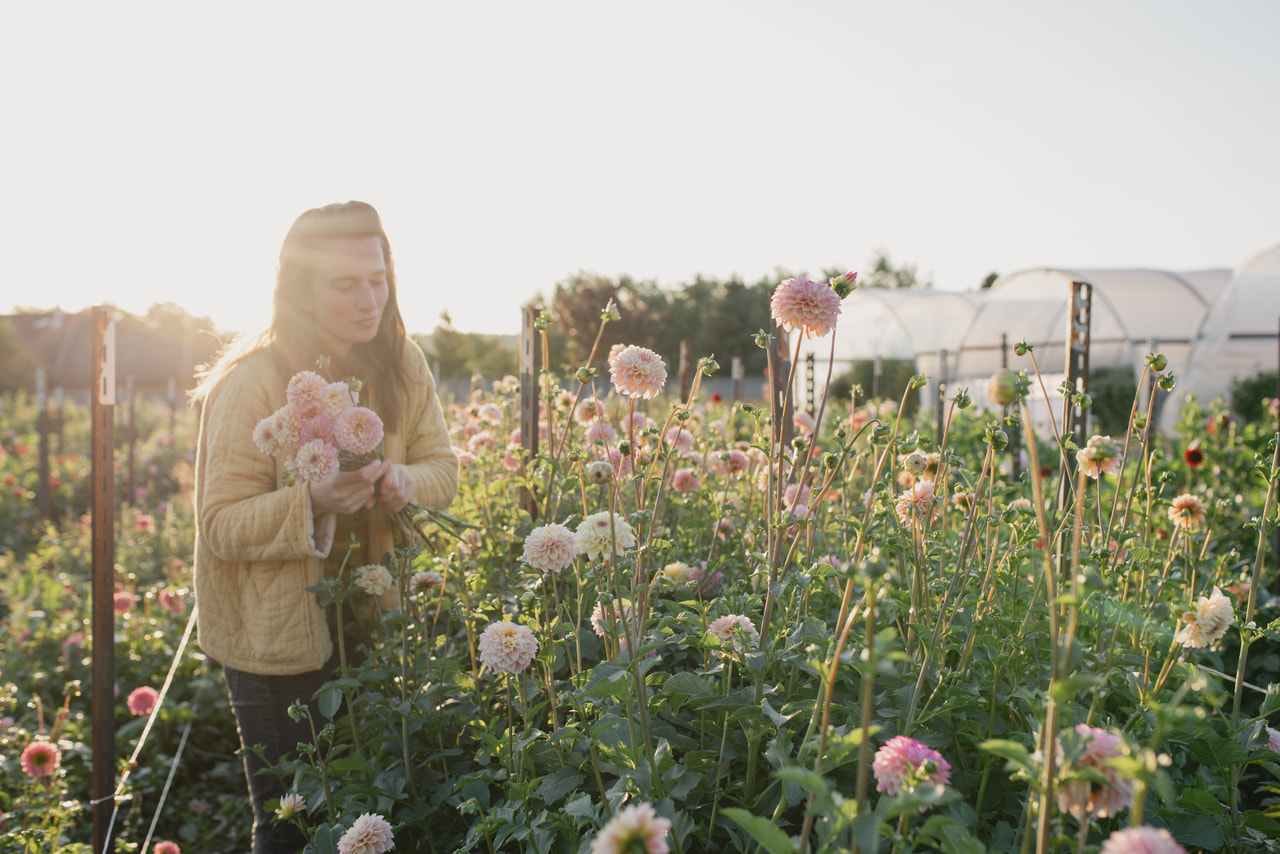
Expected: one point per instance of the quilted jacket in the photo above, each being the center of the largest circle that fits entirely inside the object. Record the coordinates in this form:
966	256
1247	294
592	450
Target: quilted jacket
258	546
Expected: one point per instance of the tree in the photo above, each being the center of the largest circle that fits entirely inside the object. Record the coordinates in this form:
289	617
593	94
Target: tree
576	306
883	274
450	350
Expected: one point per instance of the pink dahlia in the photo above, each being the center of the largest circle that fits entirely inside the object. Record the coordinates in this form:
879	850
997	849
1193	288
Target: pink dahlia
916	503
279	433
633	828
803	422
165	846
507	647
1207	622
338	398
173	600
358	430
1099	800
1101	456
904	763
549	548
679	438
1142	840
599	431
371	834
320	427
1187	512
812	308
734	630
685	480
122	601
41	758
617	619
490	412
374	579
427	581
306	394
316	460
637	372
142	700
1273	740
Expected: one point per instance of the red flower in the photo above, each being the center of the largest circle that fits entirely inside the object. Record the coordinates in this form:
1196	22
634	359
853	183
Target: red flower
715	397
1193	455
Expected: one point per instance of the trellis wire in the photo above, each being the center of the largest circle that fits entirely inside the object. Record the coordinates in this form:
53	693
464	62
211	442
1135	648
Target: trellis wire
173	770
146	731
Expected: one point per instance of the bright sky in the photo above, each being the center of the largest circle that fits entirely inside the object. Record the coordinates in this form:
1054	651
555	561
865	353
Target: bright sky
159	151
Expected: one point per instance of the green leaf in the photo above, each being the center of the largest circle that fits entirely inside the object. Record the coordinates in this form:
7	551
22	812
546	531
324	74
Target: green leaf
768	834
1011	750
329	701
580	807
1201	801
325	840
1270	703
686	684
1066	689
557	785
1197	832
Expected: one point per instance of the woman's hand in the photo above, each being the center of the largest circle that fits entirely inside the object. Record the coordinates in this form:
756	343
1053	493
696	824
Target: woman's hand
397	488
347	491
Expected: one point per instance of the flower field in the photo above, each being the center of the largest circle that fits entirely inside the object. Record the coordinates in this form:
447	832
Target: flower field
669	630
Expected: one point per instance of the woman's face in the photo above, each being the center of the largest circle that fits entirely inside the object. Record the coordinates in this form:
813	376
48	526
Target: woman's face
348	291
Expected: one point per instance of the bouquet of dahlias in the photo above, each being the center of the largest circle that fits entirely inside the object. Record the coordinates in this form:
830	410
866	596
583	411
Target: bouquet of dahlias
322	430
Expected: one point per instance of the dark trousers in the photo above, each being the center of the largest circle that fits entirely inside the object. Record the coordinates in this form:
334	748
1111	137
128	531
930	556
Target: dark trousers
261	705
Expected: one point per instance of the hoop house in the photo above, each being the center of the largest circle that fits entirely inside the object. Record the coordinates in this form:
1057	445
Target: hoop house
877	324
1133	312
1238	337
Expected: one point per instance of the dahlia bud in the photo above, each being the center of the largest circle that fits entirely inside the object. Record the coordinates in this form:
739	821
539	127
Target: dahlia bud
844	284
997	438
1167	381
611	312
1004	387
962	399
915	463
600	472
1158	362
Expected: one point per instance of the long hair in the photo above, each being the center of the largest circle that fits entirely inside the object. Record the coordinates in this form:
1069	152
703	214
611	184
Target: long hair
292	337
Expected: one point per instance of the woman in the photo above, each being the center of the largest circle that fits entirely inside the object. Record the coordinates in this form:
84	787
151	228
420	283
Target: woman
260	544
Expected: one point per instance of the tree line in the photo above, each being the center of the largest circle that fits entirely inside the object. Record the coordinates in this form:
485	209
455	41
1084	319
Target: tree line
717	317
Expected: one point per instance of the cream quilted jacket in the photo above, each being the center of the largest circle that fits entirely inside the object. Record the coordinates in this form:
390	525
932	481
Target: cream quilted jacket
258	547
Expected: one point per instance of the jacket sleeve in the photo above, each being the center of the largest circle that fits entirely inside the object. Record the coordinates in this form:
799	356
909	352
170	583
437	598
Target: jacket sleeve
244	514
429	457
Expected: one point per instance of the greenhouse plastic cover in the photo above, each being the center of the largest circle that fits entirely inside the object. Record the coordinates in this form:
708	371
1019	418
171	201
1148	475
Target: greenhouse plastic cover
1238	338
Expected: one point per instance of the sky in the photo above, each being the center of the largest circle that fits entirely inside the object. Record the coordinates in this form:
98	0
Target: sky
158	152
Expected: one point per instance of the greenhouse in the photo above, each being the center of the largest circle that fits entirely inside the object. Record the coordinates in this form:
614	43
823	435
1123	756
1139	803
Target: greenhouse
965	337
1238	338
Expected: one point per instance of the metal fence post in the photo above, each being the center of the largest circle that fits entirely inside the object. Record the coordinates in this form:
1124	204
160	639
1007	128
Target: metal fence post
103	487
529	400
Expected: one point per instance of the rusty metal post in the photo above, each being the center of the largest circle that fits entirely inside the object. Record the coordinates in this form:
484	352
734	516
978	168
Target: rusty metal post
529	400
60	423
42	428
173	410
1079	319
131	487
103	474
810	392
779	394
